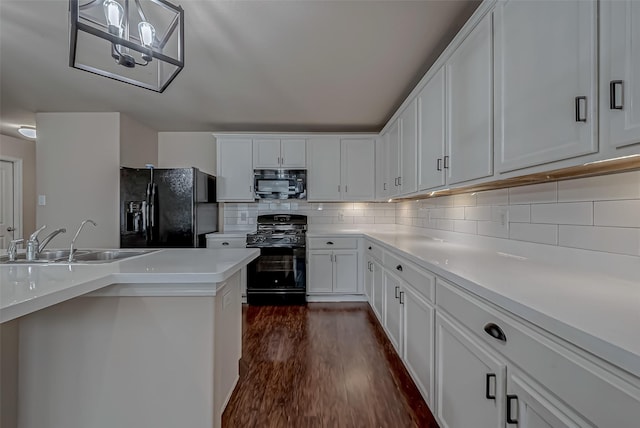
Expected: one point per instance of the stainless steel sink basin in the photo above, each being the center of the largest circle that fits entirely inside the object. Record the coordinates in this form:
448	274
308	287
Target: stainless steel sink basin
81	256
108	255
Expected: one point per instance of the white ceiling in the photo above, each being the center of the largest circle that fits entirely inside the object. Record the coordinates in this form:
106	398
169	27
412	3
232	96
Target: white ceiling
249	65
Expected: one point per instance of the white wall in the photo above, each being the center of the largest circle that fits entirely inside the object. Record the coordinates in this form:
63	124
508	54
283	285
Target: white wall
187	149
138	143
78	161
25	150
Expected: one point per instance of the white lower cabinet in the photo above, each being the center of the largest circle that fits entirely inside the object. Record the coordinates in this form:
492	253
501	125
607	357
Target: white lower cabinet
377	289
393	310
418	349
332	271
469	379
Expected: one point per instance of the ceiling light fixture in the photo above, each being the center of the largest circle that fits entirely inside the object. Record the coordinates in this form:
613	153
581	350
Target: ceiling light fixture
28	132
122	40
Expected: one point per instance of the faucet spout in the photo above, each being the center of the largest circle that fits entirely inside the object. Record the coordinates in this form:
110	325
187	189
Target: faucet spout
72	249
49	237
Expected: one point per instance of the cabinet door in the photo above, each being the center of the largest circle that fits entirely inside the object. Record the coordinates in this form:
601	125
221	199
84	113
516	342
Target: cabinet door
409	149
358	161
320	274
418	341
382	173
393	143
469	80
378	291
368	279
431	126
393	311
345	266
620	72
235	170
323	173
293	153
266	153
545	77
466	374
530	406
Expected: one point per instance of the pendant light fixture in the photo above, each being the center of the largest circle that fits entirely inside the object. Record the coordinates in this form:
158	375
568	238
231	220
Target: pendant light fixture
140	42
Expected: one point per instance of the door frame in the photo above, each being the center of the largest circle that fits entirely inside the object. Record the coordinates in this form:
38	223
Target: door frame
17	194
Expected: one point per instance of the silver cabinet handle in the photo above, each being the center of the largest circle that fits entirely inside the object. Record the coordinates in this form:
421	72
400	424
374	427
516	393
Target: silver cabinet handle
397	289
439	164
446	162
399	181
346	189
384	186
402	297
580	101
613	99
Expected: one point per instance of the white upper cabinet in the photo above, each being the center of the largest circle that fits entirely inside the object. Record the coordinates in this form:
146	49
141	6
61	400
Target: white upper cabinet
408	180
235	171
340	170
357	177
619	72
277	153
323	174
382	170
431	133
469	107
545	81
393	163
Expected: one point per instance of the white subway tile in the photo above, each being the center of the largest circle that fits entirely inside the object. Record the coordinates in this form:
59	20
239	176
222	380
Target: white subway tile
385	220
491	228
609	239
454	213
564	213
389	213
601	188
436	212
464	200
465	226
520	213
499	214
617	213
444	201
343	220
444	224
540	233
430	223
319	220
535	193
230	220
364	220
493	197
478	213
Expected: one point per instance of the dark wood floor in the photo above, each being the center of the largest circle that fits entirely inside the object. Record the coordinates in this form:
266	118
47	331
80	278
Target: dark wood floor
323	365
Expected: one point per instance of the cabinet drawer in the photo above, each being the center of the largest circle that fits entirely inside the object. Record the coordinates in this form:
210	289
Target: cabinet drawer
226	242
421	280
601	393
373	250
332	243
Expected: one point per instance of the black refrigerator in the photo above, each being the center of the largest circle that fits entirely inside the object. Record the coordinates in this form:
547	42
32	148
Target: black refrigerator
166	208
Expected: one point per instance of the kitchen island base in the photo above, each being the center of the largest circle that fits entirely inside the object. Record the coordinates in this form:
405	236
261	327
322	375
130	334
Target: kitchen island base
147	361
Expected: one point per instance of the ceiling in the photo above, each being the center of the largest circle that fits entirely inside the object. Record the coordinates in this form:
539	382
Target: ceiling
300	66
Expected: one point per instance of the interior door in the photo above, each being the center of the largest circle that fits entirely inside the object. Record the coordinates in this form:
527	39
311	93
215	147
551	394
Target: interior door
6	203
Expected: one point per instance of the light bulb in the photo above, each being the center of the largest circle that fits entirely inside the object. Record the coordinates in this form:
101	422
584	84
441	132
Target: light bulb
114	12
147	34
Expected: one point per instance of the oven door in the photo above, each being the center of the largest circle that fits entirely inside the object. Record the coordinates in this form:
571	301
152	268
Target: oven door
277	270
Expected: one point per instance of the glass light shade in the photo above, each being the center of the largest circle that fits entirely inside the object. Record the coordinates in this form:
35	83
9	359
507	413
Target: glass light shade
147	34
144	37
27	132
114	12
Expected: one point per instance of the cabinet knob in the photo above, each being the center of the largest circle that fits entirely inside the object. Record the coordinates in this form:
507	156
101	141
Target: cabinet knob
329	242
495	331
399	268
369	247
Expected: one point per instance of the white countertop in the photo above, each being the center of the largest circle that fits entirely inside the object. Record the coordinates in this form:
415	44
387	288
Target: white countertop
26	288
591	307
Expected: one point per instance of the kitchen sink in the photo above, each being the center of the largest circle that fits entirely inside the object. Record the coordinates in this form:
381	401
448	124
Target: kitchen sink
81	256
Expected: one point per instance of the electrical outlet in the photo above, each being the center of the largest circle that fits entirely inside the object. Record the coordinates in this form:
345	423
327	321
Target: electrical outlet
340	217
243	219
503	217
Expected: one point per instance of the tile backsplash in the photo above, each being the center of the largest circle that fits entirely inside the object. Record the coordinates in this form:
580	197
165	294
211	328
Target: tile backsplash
596	213
244	215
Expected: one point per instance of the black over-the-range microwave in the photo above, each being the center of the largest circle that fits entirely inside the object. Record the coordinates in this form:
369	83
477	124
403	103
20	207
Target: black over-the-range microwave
280	183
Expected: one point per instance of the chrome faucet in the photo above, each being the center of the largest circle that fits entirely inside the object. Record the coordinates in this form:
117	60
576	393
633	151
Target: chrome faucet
34	247
72	250
12	251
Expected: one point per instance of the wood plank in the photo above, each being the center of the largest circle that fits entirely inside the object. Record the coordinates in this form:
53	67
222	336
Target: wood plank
321	365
